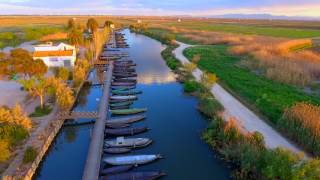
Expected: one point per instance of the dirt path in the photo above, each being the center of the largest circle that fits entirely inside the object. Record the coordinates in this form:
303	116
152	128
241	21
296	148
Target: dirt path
234	108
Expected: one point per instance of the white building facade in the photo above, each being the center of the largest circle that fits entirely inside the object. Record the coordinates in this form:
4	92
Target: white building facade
61	55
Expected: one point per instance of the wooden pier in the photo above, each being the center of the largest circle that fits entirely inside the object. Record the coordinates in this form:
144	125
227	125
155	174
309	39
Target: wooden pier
92	167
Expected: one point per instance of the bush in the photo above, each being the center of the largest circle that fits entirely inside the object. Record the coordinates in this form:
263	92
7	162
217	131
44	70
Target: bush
191	86
30	155
39	112
209	106
4	149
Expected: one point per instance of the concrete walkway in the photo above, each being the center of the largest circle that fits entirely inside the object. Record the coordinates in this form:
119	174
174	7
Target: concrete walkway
234	108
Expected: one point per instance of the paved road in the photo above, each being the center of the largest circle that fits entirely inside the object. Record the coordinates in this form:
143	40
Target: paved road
234	108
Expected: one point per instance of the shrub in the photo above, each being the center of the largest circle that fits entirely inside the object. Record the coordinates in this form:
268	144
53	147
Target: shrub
30	155
209	106
191	86
4	149
39	112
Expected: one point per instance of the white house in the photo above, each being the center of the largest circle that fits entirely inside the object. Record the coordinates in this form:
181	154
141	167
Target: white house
61	55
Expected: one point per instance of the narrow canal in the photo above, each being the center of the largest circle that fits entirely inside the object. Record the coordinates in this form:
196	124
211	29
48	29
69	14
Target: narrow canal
175	124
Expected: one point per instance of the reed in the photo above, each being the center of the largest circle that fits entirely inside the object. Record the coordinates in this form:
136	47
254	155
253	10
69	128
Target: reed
302	123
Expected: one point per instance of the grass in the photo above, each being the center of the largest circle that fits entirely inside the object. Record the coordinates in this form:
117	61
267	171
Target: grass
248	29
30	155
39	112
269	97
178	36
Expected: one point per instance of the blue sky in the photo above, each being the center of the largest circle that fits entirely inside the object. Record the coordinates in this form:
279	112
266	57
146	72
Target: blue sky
162	7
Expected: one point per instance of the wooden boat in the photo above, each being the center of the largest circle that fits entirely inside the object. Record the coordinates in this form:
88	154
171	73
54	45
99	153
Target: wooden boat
125	131
143	175
128	111
121	142
123	70
123	87
124	65
123	84
126	93
119	107
116	169
117	126
131	97
125	80
126	120
126	61
128	75
128	103
111	101
131	159
116	150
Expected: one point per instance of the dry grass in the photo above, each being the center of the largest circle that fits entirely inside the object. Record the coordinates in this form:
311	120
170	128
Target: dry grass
274	57
56	36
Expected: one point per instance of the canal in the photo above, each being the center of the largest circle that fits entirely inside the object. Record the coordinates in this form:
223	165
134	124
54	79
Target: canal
175	124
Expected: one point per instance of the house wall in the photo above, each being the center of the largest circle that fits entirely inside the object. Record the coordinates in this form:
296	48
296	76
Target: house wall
58	61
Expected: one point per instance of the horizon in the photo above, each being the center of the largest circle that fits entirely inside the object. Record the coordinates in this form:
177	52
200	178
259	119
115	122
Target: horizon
202	8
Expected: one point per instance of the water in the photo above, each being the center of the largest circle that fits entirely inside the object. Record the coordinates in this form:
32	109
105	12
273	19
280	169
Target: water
176	125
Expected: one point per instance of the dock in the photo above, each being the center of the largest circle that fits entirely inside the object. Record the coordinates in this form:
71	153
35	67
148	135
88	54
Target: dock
92	167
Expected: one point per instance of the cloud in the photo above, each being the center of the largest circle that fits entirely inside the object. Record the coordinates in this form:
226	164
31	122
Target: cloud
161	7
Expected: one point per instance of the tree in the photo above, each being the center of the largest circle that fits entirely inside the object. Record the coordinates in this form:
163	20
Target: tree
37	87
71	24
108	23
189	67
75	36
64	96
208	79
62	73
37	68
92	25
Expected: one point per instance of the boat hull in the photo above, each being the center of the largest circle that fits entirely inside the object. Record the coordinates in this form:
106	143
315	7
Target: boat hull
131	159
125	131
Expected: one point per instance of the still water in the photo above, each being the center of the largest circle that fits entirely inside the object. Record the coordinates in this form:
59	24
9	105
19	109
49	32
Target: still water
175	124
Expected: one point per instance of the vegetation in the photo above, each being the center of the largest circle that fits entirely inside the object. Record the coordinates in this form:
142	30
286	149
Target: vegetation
9	39
191	86
246	29
247	150
21	62
30	155
302	123
255	90
92	25
61	73
14	127
39	112
79	71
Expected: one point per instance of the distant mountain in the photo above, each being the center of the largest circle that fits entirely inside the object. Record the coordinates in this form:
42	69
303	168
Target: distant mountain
264	16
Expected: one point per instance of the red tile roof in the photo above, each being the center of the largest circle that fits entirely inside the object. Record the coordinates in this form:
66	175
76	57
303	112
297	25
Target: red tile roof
52	53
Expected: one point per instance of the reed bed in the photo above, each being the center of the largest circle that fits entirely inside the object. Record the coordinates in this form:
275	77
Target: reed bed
302	122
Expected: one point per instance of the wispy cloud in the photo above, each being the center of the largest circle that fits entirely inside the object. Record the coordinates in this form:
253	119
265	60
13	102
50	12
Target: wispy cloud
161	7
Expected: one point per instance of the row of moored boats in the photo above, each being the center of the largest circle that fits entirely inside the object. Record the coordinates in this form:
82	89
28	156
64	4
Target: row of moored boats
118	163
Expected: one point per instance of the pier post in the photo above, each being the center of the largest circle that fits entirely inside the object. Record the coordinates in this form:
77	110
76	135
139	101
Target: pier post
92	167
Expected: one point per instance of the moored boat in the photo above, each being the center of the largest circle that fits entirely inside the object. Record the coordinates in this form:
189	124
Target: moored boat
128	142
126	93
123	87
126	119
131	159
125	131
116	169
116	150
119	107
128	111
123	83
127	103
130	97
144	175
117	126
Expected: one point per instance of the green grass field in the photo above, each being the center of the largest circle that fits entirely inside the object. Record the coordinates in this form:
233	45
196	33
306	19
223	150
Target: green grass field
268	97
248	29
179	37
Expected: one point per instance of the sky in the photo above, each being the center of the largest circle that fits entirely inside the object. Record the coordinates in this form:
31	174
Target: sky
308	8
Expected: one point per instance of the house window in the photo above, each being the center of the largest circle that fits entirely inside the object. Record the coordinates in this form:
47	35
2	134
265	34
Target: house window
67	63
